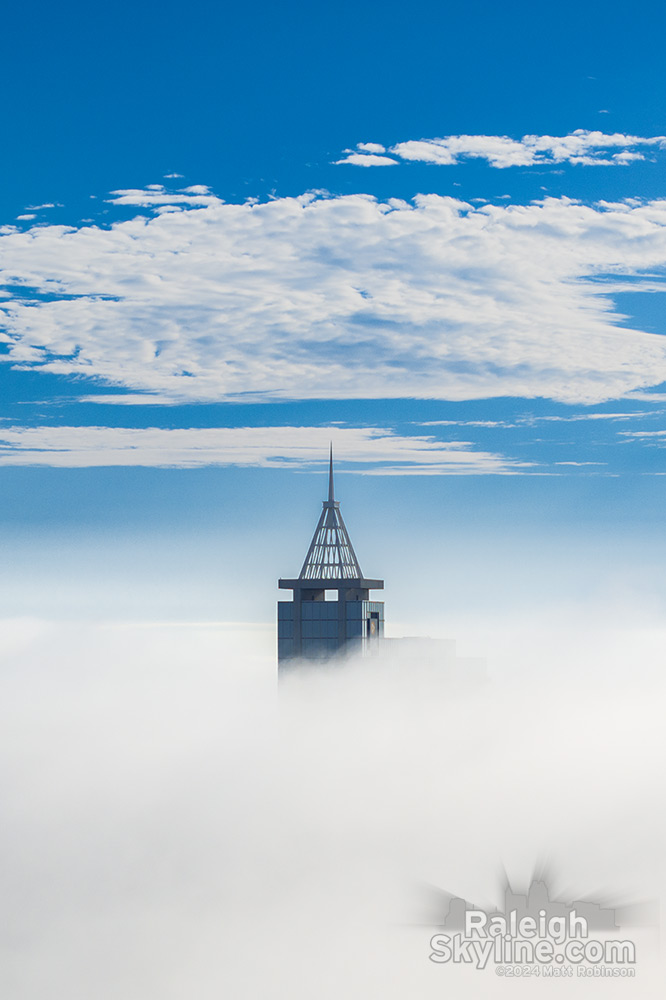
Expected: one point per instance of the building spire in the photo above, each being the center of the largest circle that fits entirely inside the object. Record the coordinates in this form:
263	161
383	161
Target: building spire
331	496
331	554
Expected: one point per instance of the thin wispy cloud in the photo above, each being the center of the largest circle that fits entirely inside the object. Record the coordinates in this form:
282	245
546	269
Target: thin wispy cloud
531	420
368	450
582	147
655	436
339	297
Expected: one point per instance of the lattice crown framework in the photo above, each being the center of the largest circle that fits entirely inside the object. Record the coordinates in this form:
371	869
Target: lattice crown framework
331	554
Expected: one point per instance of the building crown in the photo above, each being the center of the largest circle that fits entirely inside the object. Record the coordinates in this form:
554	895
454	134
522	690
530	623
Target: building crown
331	554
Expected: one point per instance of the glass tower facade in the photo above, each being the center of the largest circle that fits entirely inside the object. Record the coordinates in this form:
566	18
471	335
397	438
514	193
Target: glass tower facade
326	628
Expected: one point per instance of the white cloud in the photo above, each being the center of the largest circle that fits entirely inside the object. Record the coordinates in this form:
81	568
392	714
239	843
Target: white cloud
465	423
649	397
155	194
627	157
531	420
371	147
586	148
347	297
368	159
131	399
636	415
374	450
654	435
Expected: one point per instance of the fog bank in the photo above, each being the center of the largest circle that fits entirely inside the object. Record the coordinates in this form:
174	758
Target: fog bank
172	828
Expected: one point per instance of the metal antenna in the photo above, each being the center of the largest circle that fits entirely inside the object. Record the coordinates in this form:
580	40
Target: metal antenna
330	477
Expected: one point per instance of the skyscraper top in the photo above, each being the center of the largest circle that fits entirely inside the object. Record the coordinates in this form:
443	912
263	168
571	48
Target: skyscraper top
331	554
331	613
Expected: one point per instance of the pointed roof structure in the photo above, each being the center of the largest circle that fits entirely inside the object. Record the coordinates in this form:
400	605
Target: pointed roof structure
331	562
331	554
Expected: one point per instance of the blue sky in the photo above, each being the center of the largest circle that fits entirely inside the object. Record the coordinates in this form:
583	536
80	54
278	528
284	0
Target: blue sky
434	235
